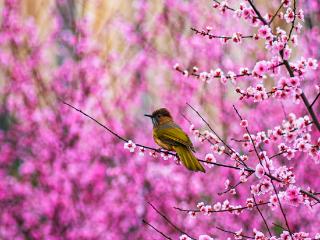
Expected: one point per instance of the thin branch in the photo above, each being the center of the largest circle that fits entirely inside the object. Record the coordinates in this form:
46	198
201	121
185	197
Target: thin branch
168	220
164	235
227	7
277	225
280	205
96	121
211	36
252	141
294	19
314	101
219	211
282	134
224	143
234	233
273	17
234	186
197	75
186	118
274	188
264	220
257	12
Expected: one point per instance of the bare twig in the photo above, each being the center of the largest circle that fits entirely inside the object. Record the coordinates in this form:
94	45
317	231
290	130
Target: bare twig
220	211
171	223
164	235
227	7
211	36
264	220
252	141
234	186
257	12
224	143
314	101
273	17
280	226
234	233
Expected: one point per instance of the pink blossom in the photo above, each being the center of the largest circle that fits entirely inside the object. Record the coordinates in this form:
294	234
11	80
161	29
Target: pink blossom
217	206
205	237
236	37
312	63
210	158
273	201
238	234
184	237
259	171
300	14
142	151
130	146
260	68
244	123
289	15
217	72
286	3
264	32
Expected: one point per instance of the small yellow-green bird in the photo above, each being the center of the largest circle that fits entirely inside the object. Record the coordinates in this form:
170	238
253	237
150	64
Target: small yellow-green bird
168	135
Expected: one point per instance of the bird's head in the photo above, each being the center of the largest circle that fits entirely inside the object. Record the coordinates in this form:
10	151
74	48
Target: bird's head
160	116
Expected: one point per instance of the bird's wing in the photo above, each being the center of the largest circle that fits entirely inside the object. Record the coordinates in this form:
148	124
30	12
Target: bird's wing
172	134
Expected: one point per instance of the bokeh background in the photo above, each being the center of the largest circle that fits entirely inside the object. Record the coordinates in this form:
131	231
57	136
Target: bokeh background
64	177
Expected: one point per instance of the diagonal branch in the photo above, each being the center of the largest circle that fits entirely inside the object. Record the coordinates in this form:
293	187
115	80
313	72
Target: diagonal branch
314	101
234	233
224	143
171	223
164	235
257	12
264	220
273	17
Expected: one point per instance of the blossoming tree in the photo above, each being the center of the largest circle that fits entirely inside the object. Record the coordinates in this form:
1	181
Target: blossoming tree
248	72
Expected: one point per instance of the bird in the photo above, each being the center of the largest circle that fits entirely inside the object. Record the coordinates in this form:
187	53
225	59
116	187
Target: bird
168	135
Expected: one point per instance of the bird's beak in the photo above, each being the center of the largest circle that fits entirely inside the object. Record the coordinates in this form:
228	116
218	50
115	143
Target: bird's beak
148	115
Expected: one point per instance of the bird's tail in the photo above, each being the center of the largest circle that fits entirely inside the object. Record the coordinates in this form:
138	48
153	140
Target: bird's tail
188	159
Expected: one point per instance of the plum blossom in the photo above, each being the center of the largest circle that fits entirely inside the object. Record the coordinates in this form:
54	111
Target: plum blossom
237	37
142	151
259	171
293	196
238	234
250	203
286	3
217	72
184	237
205	237
289	15
265	32
244	123
260	68
210	158
312	63
130	145
217	206
273	201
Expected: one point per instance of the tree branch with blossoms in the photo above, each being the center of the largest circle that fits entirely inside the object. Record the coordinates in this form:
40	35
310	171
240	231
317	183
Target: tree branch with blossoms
285	87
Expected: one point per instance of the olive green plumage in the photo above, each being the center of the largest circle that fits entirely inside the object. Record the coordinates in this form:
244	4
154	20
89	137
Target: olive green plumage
168	135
